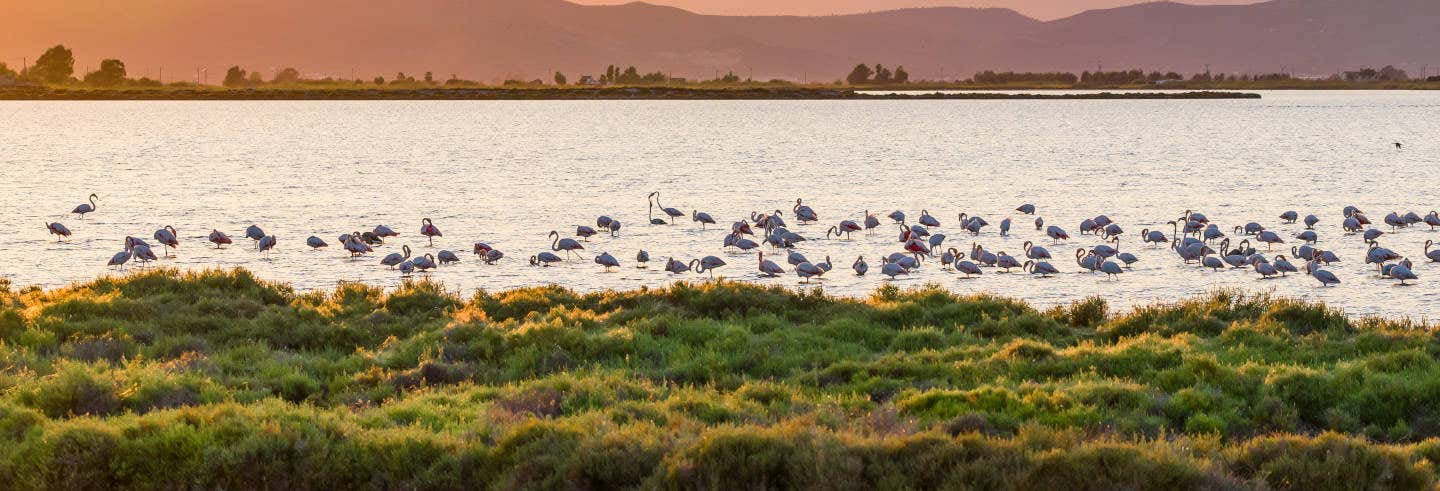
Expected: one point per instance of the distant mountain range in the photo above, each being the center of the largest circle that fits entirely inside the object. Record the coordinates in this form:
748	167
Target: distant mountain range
488	39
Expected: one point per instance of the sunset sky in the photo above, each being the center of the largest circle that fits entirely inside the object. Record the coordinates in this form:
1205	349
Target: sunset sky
1040	9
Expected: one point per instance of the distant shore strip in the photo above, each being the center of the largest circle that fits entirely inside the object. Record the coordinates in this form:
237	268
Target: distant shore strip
619	93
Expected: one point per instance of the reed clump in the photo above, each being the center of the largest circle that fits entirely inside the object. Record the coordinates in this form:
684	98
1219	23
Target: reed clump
216	379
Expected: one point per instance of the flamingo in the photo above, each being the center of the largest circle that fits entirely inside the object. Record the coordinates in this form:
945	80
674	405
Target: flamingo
1154	236
706	264
1212	262
482	249
670	212
1086	260
219	238
447	257
768	268
846	227
384	231
1433	220
84	208
614	228
1039	222
316	242
1270	238
266	244
968	268
1395	221
1372	234
642	259
898	216
254	232
1111	269
806	271
167	239
369	238
1289	216
407	268
1325	278
1026	209
1402	272
892	269
429	230
871	222
395	258
1057	234
1042	269
1284	266
676	267
1035	252
1434	255
607	261
927	220
354	245
1265	269
804	214
1310	221
424	263
140	250
860	266
741	227
58	230
702	217
585	232
544	259
119	259
1005	262
1005	227
1308	236
948	257
603	221
566	244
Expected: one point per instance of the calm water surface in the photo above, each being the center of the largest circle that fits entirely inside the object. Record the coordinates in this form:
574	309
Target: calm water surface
508	173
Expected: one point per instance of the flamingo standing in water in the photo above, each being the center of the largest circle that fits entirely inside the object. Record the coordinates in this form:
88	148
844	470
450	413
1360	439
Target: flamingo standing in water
860	266
168	238
642	259
1434	255
384	231
429	230
316	242
768	268
58	230
447	257
564	244
804	214
702	217
219	238
395	258
84	208
706	264
671	212
266	244
607	261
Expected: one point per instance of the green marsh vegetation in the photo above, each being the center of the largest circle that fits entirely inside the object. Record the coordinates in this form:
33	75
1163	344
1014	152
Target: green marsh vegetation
215	379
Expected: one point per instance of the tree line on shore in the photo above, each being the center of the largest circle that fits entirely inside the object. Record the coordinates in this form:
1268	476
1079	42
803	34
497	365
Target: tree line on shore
56	66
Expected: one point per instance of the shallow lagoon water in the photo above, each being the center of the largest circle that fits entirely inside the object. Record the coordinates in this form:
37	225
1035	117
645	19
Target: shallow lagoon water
509	172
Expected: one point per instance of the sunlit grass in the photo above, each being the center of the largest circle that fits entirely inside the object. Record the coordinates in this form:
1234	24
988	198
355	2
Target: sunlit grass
216	379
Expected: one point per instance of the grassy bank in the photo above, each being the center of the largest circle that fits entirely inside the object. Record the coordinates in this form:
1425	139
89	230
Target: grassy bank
217	380
555	93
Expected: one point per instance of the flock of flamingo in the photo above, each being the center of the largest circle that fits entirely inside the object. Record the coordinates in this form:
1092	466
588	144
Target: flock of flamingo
1193	240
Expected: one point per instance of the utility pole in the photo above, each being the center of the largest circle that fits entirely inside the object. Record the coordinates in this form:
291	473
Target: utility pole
162	75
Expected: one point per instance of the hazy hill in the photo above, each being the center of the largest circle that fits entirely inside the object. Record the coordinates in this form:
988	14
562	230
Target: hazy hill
493	38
